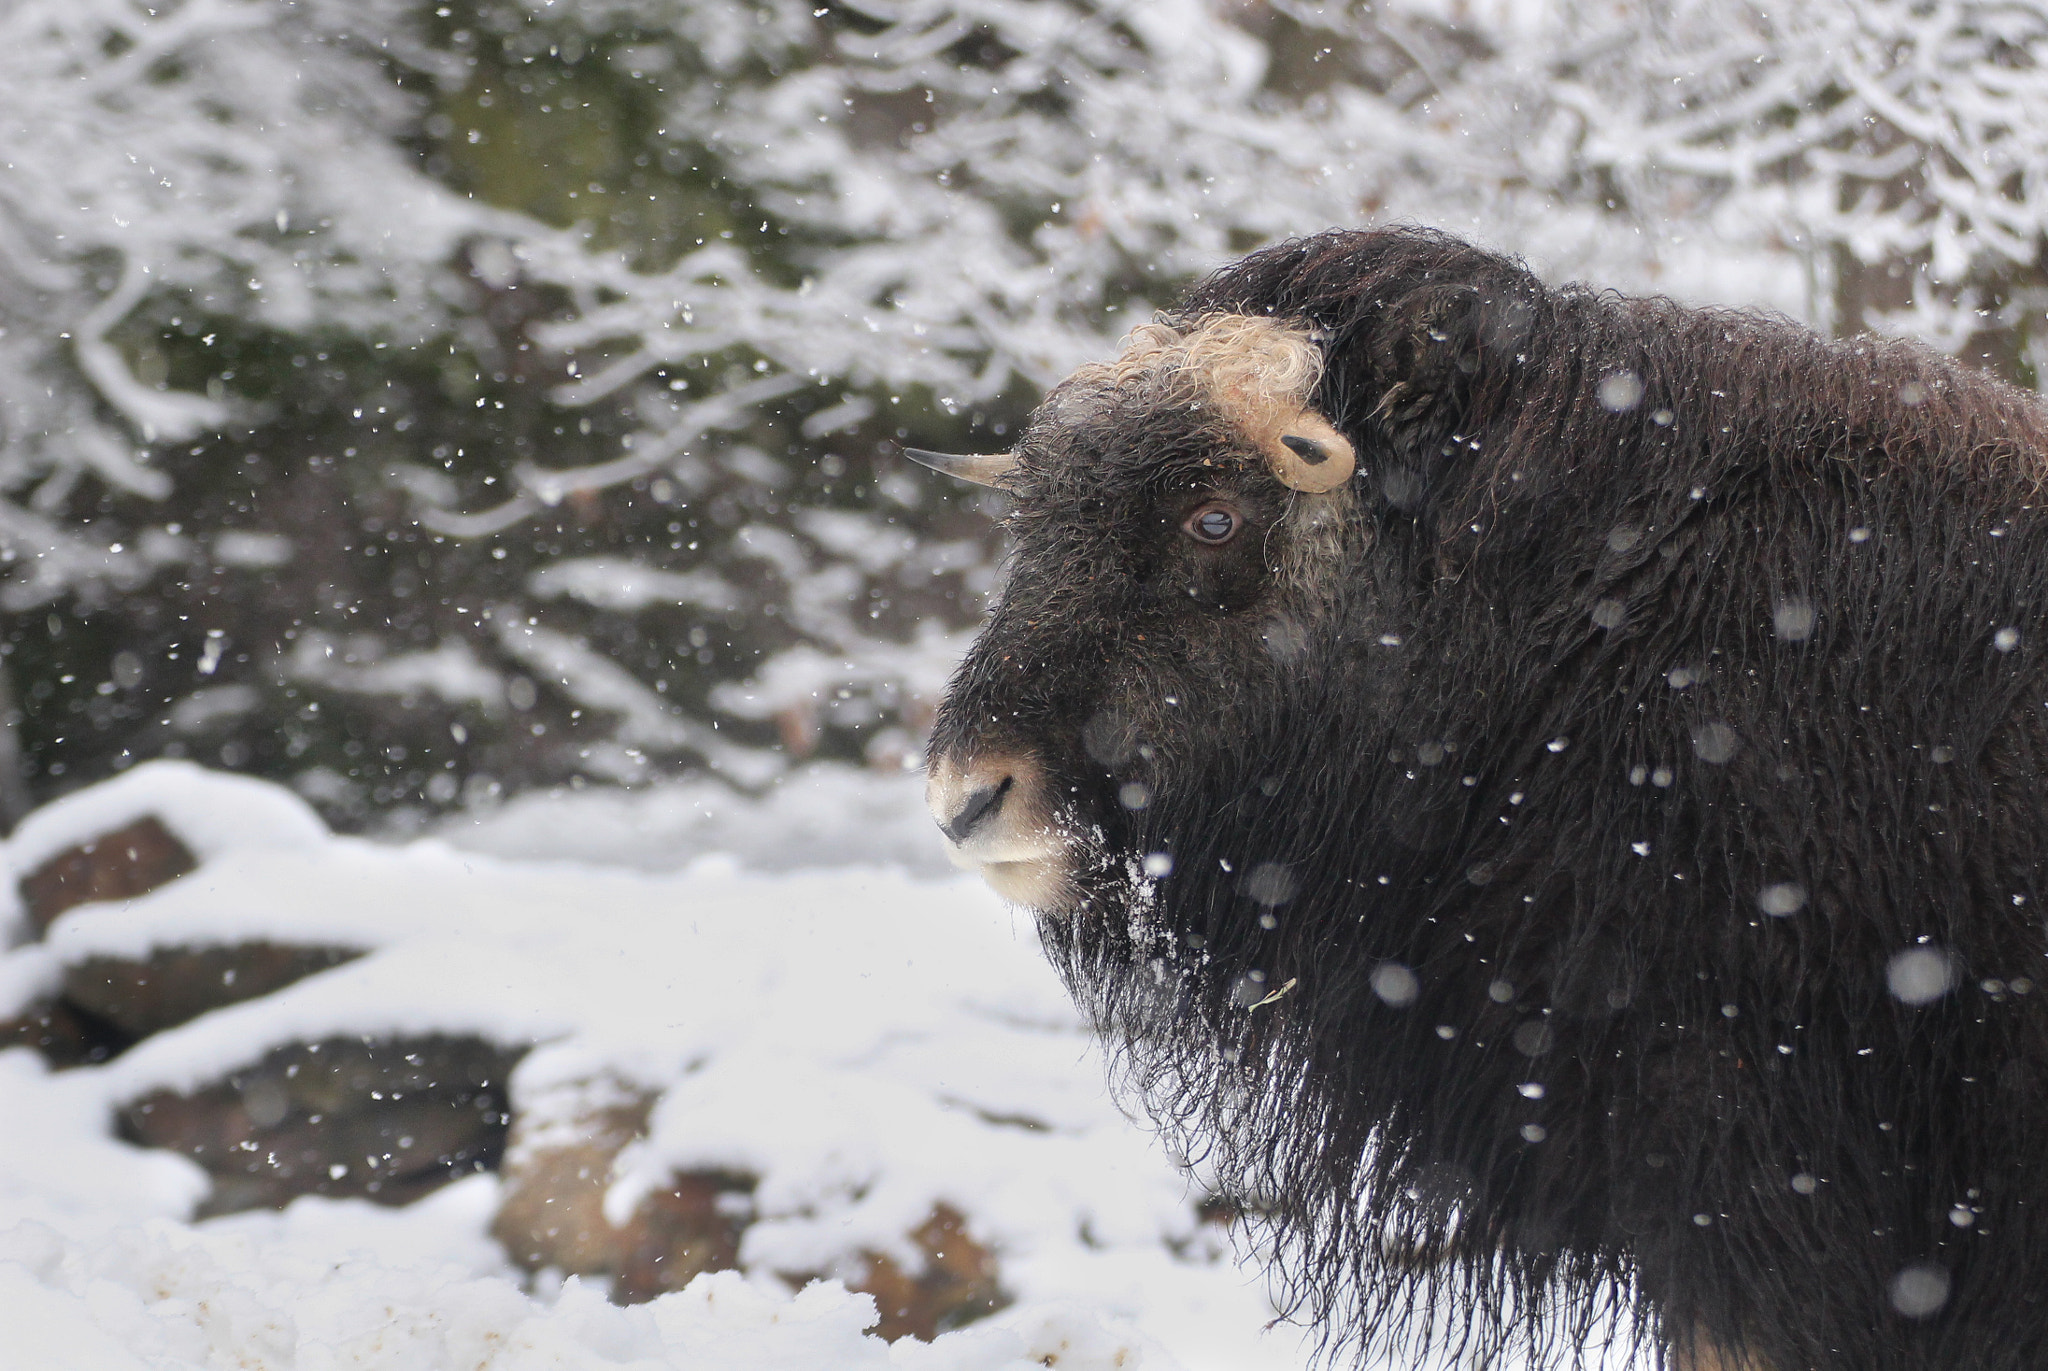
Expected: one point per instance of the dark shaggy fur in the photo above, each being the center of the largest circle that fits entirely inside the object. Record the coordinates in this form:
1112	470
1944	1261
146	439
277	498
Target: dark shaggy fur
1486	824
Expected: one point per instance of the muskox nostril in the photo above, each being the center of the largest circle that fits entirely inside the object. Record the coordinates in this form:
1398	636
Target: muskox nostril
982	804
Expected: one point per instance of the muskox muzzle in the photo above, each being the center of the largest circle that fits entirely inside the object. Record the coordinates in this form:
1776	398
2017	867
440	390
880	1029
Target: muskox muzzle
994	810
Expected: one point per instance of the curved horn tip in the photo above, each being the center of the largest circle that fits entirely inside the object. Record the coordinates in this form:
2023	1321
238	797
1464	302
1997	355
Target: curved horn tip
990	469
1314	457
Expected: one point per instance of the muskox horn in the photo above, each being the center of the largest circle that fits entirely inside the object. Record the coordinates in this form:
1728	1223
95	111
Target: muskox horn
1311	456
989	470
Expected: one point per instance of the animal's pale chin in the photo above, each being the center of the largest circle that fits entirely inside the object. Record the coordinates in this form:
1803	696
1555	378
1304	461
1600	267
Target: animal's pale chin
1041	883
1000	821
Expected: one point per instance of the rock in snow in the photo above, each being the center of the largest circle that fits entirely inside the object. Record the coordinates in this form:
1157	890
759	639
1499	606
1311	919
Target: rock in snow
817	1079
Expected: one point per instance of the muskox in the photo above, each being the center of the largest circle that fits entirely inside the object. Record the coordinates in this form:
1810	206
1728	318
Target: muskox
1543	792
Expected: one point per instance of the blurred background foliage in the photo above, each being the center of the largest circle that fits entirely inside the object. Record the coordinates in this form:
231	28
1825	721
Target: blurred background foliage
425	402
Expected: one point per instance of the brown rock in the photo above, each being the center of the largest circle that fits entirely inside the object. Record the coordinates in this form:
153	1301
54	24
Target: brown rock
176	984
66	1035
696	1226
109	1003
957	1286
561	1163
386	1119
557	1169
120	865
676	1235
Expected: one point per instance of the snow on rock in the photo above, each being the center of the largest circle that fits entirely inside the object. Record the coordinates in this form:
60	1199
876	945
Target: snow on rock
59	1164
822	815
161	1296
870	1047
214	812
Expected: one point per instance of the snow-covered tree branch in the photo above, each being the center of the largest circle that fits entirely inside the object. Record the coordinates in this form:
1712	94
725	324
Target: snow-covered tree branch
428	333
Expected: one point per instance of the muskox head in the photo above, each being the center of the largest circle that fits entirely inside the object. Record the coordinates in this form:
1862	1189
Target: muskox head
1184	526
1200	734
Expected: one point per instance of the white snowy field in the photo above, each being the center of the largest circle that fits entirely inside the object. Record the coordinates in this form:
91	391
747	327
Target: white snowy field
863	1040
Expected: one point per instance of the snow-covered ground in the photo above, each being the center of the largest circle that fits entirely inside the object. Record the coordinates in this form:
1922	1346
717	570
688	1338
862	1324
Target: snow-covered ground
863	1039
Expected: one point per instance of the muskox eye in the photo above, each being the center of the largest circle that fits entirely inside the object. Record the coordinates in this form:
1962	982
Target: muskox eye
1213	524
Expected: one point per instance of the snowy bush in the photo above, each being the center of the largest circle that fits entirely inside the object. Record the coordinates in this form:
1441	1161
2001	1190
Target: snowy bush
421	402
1892	149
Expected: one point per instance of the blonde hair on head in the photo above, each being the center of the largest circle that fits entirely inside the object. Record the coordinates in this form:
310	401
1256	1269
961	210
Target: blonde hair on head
1251	365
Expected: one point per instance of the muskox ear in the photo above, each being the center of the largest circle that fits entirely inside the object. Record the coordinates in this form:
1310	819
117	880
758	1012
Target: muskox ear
1429	345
